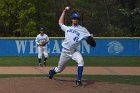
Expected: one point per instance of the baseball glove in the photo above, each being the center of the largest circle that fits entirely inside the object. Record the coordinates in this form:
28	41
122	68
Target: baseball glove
41	44
44	43
91	41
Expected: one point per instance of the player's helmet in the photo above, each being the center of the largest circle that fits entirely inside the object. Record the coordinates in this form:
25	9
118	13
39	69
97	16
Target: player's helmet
42	29
75	16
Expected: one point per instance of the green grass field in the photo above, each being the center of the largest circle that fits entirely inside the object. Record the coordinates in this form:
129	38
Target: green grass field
89	61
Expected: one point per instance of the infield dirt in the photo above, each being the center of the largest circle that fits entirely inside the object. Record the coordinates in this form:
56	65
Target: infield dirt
73	70
45	85
57	85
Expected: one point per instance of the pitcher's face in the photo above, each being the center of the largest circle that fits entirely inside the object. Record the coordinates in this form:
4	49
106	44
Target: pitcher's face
75	22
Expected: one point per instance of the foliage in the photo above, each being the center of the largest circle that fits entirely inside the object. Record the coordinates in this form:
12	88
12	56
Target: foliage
101	17
17	17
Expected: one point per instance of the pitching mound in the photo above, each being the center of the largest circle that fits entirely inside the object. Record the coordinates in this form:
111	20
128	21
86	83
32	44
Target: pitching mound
44	85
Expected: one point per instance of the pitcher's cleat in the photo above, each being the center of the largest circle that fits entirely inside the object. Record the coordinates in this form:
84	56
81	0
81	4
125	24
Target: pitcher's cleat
78	83
51	74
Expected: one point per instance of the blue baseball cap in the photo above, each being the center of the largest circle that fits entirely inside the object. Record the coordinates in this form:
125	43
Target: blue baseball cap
75	16
42	29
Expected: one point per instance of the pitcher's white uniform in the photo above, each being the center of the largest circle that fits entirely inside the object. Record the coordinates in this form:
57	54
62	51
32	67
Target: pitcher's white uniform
42	49
73	36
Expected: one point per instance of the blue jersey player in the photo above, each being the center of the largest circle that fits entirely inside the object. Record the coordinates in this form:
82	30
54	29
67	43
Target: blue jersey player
73	35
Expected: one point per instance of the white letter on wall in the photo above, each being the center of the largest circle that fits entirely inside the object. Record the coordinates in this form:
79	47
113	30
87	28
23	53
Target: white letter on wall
21	45
32	46
56	48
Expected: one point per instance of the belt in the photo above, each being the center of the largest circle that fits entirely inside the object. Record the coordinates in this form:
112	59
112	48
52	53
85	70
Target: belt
70	50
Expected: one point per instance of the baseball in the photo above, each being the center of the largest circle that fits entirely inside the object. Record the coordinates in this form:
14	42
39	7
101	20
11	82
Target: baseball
67	8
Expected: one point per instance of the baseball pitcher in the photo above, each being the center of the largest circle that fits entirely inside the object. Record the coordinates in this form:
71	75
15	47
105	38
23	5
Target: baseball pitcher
73	35
41	41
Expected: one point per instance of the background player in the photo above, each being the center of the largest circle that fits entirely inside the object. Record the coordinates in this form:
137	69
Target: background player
73	35
41	41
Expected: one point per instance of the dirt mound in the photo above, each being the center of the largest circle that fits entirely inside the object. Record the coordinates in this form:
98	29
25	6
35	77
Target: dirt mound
44	85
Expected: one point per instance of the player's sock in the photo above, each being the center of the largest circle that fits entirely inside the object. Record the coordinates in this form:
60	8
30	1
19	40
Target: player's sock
39	60
80	72
45	59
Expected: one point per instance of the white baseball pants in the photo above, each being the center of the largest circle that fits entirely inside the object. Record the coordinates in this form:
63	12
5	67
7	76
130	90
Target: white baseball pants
66	56
42	51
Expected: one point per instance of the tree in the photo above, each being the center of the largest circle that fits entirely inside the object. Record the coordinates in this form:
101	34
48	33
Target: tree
101	17
17	17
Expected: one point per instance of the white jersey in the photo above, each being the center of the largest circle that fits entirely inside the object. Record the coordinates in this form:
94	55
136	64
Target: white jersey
73	36
40	38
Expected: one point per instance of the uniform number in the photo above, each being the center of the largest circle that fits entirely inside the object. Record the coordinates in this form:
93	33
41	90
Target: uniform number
76	39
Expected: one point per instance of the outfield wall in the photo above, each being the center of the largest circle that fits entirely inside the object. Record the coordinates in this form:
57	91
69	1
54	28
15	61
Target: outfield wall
105	47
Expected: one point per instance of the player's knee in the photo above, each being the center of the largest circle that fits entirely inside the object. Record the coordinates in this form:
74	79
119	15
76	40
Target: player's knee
39	56
81	63
46	56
